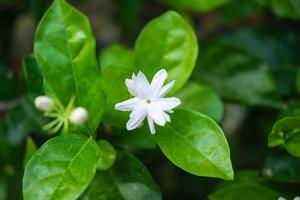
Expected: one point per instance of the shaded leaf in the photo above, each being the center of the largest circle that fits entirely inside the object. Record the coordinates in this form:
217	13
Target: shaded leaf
128	179
30	150
198	5
195	143
61	169
117	55
107	156
200	98
33	77
167	42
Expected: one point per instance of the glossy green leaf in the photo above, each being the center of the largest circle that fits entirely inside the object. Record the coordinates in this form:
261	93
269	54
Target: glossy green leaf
33	77
198	5
115	93
128	179
236	76
61	169
30	150
117	55
108	155
195	143
200	98
65	50
285	169
287	9
167	42
245	191
286	133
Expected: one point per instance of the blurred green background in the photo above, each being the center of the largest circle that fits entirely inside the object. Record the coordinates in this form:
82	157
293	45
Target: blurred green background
249	54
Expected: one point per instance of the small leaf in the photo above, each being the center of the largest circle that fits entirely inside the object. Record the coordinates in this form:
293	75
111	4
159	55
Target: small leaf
167	42
30	150
115	93
195	143
200	98
33	77
198	5
117	55
128	179
245	191
65	50
286	133
61	169
107	156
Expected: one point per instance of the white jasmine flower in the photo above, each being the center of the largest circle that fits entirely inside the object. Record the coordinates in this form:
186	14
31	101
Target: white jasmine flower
43	103
297	198
79	115
148	101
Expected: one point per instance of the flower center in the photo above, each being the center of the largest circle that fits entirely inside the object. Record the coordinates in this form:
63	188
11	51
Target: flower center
148	101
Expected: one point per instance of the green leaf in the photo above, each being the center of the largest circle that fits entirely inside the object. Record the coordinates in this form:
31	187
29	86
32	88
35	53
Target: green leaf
33	77
128	179
245	191
117	55
200	98
298	81
285	169
65	50
195	143
8	84
61	169
115	93
198	5
286	133
287	9
236	76
108	155
30	150
167	42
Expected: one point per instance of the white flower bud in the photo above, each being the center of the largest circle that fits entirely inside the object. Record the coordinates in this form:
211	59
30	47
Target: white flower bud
79	115
43	103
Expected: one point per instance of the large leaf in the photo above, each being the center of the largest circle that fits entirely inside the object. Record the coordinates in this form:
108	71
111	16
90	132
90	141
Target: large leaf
200	98
61	169
198	5
287	9
195	143
245	191
115	93
167	42
286	133
33	77
65	50
236	76
128	179
298	81
117	55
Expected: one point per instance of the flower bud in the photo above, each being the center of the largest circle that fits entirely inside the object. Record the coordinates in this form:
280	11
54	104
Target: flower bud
79	115
43	103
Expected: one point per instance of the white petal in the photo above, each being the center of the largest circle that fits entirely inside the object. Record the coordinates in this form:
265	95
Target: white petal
166	89
151	125
167	104
131	86
156	114
158	81
138	115
167	117
127	105
141	79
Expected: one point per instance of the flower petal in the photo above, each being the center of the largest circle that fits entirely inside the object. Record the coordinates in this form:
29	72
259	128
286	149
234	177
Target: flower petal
155	112
131	86
166	89
158	81
141	79
151	125
137	117
167	104
127	105
167	117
